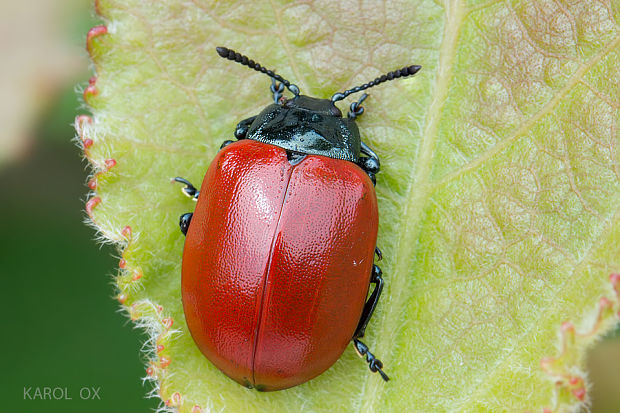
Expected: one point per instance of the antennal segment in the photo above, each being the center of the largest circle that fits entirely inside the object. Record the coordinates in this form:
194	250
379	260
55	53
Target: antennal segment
404	72
244	60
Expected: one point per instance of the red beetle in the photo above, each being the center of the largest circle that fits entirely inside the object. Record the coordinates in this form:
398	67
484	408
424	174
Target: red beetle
278	256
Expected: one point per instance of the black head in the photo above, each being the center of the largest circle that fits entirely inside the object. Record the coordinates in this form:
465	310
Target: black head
309	125
325	107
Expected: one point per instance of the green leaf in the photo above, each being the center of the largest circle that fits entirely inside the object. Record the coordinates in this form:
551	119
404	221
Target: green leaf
498	196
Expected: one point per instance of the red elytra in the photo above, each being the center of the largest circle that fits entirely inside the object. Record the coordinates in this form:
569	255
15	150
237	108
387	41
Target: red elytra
277	263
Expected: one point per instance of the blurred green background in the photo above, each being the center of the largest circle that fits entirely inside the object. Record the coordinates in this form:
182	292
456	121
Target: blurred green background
62	327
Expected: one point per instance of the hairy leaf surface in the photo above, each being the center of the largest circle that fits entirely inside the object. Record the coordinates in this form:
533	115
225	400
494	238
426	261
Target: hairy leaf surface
498	194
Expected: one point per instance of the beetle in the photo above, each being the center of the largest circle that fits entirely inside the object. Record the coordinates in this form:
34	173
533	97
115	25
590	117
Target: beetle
279	253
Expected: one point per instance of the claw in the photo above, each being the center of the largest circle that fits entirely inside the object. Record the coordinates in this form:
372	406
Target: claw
374	364
379	254
189	189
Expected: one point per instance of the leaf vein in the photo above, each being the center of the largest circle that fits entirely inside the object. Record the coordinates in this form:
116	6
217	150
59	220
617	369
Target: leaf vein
547	108
488	377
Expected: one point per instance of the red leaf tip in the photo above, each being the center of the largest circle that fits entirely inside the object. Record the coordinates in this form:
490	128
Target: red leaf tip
164	362
91	90
167	322
579	393
81	119
110	163
93	202
126	232
175	400
92	33
136	275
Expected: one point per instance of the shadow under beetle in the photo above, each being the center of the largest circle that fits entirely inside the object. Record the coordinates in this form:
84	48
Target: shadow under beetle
279	252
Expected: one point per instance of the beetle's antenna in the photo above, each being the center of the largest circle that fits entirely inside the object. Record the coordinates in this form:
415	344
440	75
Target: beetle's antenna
404	72
244	60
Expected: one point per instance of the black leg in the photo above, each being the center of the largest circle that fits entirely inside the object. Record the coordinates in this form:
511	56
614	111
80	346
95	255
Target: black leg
243	127
356	109
225	144
370	305
276	89
370	163
184	221
189	189
379	254
374	364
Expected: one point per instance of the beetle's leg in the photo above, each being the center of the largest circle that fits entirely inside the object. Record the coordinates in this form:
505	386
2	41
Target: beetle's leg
370	305
356	109
276	89
242	127
370	163
241	131
189	189
184	221
374	364
379	254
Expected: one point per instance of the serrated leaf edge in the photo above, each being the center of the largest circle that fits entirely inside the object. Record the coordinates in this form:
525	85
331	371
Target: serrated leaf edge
145	314
571	384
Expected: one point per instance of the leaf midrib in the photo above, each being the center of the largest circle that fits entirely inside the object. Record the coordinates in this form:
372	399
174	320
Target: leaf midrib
418	193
